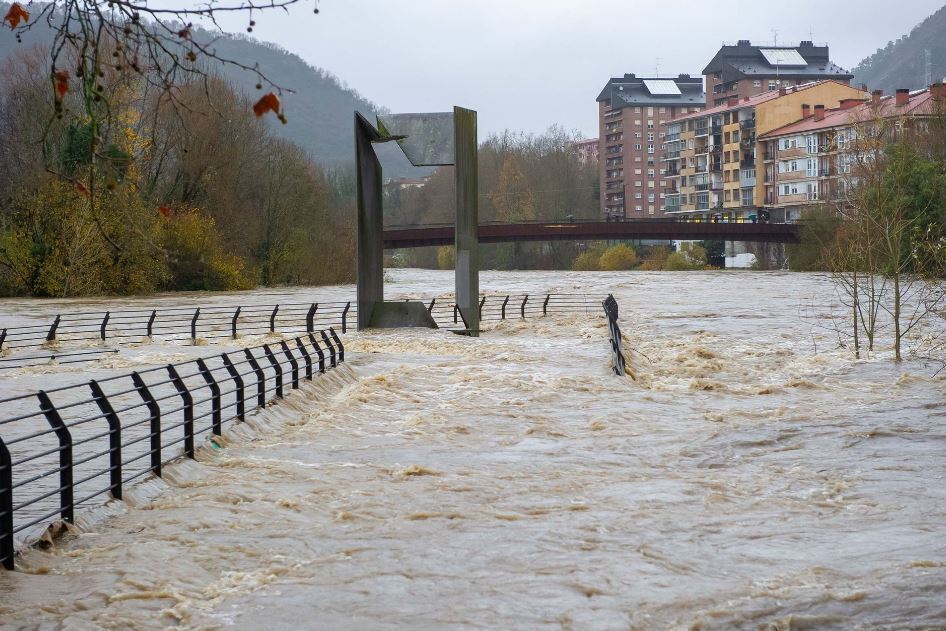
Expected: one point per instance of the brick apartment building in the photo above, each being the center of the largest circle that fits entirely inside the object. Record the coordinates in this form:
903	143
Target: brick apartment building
715	163
587	150
747	70
631	111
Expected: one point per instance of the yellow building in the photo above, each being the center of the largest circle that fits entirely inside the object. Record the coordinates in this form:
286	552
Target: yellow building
715	162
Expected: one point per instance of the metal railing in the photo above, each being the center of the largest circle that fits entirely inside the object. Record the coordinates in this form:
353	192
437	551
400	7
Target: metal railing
614	332
82	444
181	323
79	445
212	323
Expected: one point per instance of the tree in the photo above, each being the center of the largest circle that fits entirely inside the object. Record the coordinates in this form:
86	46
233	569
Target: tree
617	258
690	256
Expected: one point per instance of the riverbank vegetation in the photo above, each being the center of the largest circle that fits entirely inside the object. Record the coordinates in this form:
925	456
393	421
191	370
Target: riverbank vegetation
884	241
131	192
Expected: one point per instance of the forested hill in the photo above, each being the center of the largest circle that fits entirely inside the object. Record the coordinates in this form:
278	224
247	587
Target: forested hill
903	64
319	111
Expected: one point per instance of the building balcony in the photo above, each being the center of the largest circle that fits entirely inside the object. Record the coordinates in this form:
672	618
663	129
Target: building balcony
793	176
800	198
747	163
749	123
702	131
746	182
795	152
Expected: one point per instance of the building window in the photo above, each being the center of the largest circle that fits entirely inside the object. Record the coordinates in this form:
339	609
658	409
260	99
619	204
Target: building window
650	184
637	110
637	134
650	111
757	83
637	171
773	84
638	147
639	195
650	136
812	167
650	173
651	198
650	148
638	123
638	183
663	110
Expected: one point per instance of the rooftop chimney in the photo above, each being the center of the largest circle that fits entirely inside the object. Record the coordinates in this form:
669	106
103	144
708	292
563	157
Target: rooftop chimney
847	104
805	110
819	112
683	76
863	87
875	96
630	75
903	96
744	43
732	101
782	91
937	92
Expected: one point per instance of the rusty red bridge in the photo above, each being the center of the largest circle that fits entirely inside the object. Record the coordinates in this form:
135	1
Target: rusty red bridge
651	230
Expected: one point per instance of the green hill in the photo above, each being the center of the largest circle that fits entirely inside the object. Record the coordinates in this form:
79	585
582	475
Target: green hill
320	111
913	61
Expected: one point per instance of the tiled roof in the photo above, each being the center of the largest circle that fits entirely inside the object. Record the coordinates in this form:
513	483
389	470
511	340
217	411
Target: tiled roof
920	104
751	101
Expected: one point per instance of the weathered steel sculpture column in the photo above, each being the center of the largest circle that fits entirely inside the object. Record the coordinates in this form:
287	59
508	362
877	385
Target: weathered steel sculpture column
436	139
370	221
466	238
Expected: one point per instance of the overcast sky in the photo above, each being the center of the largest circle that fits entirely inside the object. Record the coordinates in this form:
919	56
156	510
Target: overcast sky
528	64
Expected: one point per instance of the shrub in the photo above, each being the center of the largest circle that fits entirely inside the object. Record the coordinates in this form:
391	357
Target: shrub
690	257
446	257
196	257
656	258
617	258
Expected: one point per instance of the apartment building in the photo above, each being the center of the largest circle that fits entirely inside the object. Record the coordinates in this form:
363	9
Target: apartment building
810	161
712	157
632	112
587	150
745	69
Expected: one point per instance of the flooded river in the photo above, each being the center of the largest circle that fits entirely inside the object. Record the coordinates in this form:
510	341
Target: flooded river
749	474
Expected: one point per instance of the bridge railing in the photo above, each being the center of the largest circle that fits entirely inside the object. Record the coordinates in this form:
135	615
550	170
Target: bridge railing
614	333
79	445
62	338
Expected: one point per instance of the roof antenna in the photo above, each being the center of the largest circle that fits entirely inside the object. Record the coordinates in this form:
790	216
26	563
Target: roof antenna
657	68
775	38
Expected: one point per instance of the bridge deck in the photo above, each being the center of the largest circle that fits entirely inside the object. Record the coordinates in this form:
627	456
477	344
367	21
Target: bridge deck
420	236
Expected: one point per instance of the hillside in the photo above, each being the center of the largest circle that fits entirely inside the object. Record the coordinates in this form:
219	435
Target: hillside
320	110
904	63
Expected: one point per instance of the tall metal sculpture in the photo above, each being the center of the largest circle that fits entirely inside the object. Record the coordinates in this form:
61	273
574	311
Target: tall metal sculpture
436	139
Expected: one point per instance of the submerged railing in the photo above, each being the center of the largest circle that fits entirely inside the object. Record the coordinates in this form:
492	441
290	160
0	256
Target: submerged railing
53	339
614	332
81	444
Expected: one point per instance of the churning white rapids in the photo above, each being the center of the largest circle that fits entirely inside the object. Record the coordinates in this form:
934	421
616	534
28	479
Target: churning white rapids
753	475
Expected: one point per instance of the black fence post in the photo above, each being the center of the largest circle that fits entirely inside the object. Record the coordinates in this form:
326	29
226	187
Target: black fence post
260	379
522	309
194	325
6	507
456	310
272	319
318	351
430	308
154	314
217	422
233	323
154	410
482	302
331	349
545	305
238	382
114	439
188	401
292	362
310	318
3	336
51	336
338	344
104	324
344	319
306	357
276	367
505	302
66	508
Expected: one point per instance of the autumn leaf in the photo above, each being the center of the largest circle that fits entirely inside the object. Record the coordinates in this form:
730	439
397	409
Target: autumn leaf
82	189
15	14
269	103
164	211
61	79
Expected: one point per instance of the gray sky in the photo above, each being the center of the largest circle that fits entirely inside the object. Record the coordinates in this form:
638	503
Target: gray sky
528	64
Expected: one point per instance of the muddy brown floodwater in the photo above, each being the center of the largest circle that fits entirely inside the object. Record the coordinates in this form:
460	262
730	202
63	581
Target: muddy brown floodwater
753	475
